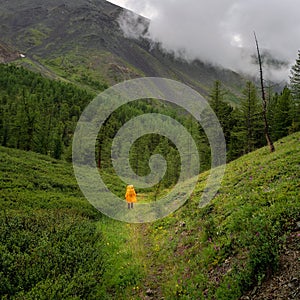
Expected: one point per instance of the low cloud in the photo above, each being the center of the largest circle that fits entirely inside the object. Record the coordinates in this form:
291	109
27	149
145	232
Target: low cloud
221	32
132	25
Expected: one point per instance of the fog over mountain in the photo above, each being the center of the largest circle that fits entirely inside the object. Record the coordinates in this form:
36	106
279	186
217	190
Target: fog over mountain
221	32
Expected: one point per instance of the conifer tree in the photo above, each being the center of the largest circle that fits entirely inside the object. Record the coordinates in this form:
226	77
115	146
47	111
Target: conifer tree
295	92
222	110
282	115
251	125
248	131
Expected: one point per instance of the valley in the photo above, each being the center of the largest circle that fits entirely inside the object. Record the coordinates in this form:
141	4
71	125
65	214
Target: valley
56	57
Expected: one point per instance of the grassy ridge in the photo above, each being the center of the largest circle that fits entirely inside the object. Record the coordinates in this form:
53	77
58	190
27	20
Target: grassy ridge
221	250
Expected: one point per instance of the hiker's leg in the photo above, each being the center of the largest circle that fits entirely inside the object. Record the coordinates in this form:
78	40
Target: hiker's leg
131	204
128	205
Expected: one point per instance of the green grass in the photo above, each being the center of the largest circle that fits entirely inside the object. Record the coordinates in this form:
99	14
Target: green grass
124	258
54	244
35	36
221	250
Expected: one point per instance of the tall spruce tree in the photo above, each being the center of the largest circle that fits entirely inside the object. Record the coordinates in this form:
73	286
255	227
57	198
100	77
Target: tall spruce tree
251	126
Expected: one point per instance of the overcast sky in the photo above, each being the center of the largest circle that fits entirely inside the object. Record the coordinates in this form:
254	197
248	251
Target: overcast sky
221	31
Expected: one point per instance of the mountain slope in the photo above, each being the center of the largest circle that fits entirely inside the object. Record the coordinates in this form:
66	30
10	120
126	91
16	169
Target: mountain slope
82	38
48	236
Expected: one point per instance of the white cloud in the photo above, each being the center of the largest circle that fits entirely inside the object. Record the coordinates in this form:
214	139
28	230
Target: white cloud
221	32
131	25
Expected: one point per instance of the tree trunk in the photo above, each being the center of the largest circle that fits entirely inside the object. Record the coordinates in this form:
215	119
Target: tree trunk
264	100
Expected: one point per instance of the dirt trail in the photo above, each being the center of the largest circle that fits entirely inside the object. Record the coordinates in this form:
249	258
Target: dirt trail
142	246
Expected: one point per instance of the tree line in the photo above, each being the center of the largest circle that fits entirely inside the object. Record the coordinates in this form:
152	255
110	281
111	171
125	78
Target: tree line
40	115
243	126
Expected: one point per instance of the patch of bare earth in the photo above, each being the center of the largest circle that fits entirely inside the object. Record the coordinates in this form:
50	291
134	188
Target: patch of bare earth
152	284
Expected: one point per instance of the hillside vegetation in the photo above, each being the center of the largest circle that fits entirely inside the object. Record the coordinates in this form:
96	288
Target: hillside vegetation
40	114
54	244
223	249
55	56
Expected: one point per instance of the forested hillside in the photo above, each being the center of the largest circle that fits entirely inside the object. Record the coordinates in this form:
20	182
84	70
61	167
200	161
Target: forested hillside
40	114
220	251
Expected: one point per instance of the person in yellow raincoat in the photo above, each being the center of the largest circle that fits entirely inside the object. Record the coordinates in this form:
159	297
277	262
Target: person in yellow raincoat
130	196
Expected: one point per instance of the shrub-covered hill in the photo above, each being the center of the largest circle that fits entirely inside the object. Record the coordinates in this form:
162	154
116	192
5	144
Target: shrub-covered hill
55	245
49	246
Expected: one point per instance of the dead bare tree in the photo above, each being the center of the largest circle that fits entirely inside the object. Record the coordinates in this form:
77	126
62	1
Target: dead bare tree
264	100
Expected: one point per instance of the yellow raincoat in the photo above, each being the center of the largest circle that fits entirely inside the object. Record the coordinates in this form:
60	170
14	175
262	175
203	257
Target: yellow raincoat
130	194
